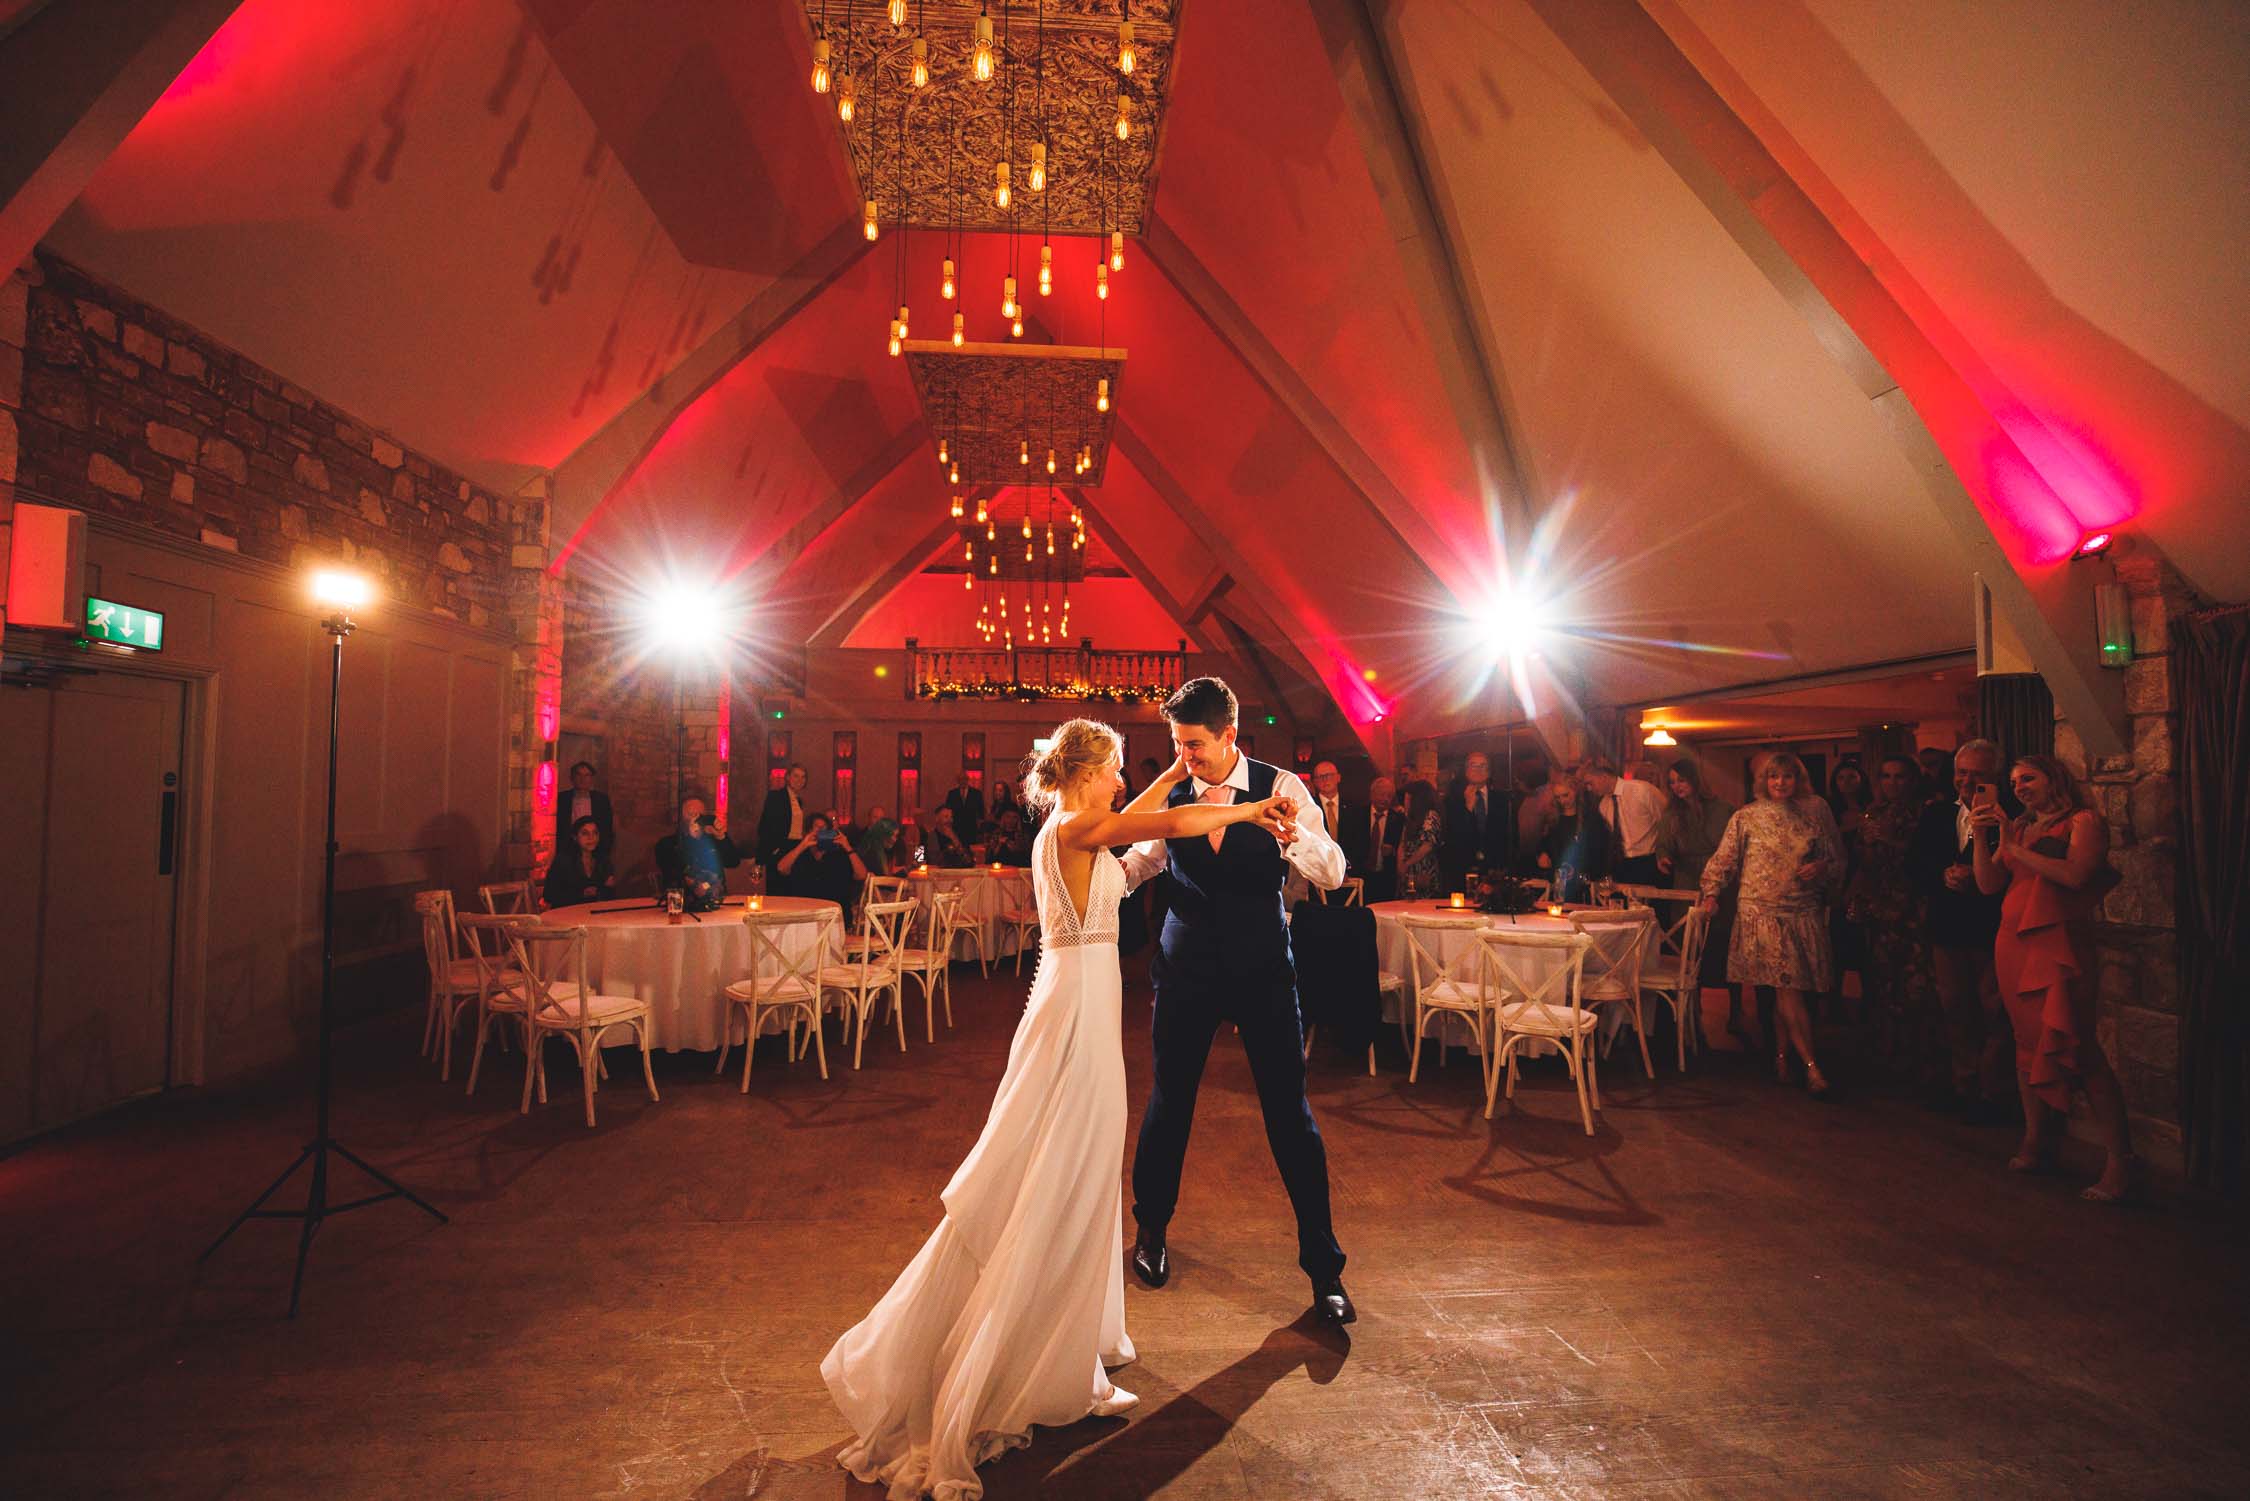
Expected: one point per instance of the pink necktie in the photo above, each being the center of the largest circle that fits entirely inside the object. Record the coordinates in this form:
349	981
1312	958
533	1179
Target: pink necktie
1223	796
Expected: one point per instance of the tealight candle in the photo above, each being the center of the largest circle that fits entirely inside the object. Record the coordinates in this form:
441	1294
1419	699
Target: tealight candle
1554	911
757	903
996	865
1460	899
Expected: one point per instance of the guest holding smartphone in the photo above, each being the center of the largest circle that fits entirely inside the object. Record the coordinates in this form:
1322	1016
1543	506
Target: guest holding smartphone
824	864
1961	925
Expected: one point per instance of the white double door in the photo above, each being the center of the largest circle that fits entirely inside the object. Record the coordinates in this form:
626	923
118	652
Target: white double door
87	878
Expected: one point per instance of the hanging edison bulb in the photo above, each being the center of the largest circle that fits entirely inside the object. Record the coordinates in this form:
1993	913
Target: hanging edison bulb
1050	539
942	456
957	508
921	63
1125	57
1027	558
1023	456
968	552
1101	394
991	531
982	516
953	476
846	104
980	60
1027	521
895	334
898	12
1038	166
1117	250
946	291
867	220
968	581
902	333
959	333
992	564
1101	280
1007	297
1050	469
1015	329
1046	270
1000	185
820	65
1124	117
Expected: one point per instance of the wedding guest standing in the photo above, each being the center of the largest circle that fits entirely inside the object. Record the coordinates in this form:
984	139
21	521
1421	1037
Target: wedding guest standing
1370	835
1631	809
1423	836
1695	819
1476	824
580	871
1960	926
781	823
2051	866
1578	848
1781	851
967	807
1883	900
583	800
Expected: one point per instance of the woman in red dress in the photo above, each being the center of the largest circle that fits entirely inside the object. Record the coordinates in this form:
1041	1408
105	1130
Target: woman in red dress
2053	863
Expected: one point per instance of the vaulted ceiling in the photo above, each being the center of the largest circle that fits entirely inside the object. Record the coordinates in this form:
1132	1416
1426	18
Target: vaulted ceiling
1422	310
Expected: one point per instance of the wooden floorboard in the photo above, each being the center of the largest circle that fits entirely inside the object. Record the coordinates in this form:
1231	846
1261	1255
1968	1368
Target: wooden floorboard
1730	1290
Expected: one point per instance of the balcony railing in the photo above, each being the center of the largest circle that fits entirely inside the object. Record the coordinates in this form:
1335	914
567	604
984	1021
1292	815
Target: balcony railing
1031	673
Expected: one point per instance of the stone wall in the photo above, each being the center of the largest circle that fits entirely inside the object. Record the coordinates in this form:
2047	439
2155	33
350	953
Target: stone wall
2137	936
109	406
612	690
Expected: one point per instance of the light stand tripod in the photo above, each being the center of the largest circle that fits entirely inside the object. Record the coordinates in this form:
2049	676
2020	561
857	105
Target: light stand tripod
317	1206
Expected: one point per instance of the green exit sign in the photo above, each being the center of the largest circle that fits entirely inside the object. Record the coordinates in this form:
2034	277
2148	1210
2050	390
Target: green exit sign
123	625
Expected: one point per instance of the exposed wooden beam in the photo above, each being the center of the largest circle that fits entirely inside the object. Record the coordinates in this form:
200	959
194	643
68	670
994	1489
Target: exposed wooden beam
601	463
1916	389
77	78
877	584
1426	232
1207	594
1398	517
1169	490
808	527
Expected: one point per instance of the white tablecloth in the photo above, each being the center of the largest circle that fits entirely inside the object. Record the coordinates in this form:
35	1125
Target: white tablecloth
985	894
681	970
1461	931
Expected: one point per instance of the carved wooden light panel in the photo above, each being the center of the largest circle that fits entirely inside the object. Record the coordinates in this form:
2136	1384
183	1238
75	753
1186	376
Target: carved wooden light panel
957	128
988	400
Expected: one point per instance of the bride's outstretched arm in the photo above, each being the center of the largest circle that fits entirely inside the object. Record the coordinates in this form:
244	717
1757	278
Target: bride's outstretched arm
1093	831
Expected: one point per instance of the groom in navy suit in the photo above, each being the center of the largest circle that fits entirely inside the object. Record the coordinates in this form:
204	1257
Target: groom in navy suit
1225	957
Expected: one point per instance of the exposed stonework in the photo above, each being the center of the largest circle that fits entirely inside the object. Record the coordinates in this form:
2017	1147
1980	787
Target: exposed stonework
108	405
2137	936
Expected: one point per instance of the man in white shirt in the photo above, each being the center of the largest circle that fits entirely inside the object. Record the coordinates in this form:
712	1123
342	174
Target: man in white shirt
1225	956
1632	810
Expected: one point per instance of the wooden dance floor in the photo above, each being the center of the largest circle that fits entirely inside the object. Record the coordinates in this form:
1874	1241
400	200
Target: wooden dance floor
1731	1291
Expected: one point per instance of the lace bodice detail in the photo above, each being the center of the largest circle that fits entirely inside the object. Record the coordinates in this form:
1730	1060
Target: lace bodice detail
1059	926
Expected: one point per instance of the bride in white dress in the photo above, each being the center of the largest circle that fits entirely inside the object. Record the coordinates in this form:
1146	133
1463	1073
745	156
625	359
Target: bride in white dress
1014	1309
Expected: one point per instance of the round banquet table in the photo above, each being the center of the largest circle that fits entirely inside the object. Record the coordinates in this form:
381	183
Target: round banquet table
1461	929
681	970
985	894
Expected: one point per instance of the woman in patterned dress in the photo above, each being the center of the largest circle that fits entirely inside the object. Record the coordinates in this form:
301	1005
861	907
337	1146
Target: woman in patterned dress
1782	852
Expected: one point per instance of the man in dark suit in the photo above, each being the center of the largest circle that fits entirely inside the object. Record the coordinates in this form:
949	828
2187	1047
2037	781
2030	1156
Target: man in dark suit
1370	833
1477	820
583	800
1961	925
783	821
967	804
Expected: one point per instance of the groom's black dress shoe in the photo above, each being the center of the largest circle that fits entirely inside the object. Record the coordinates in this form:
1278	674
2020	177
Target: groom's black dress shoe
1331	1304
1151	1262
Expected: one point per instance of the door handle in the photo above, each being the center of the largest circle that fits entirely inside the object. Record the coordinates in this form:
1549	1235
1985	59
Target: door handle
167	824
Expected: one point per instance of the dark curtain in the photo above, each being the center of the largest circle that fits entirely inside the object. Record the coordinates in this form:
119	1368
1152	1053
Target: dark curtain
2211	668
2015	711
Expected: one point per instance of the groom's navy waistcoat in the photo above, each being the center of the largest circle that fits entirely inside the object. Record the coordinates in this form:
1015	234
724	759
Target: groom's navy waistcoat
1226	903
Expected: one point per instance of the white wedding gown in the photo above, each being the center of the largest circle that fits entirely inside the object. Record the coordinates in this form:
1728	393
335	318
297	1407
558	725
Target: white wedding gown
1015	1305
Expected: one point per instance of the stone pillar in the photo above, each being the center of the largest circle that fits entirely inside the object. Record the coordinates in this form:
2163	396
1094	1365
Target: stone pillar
535	613
2137	935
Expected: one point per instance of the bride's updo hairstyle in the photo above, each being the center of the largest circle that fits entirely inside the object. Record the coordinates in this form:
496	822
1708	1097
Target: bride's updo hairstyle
1078	746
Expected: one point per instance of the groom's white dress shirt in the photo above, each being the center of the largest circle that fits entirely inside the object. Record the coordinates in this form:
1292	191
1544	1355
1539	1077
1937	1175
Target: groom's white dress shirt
1316	855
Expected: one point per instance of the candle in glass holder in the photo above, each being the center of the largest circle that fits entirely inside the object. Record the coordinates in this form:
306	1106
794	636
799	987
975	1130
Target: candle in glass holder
757	902
996	865
1555	911
1459	900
